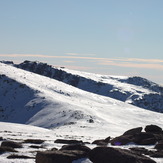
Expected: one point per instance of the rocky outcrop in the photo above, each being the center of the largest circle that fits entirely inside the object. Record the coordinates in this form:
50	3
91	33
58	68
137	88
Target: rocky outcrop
116	155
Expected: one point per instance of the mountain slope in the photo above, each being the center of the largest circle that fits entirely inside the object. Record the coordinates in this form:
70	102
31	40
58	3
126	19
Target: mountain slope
49	103
133	90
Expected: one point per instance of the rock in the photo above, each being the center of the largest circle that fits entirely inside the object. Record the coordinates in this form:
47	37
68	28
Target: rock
35	146
153	129
157	154
159	146
100	142
159	136
150	141
133	131
6	149
11	144
65	156
64	141
34	141
140	150
144	138
107	139
116	155
121	140
13	156
76	147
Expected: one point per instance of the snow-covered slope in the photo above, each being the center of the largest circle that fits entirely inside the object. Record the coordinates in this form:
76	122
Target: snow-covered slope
33	99
133	90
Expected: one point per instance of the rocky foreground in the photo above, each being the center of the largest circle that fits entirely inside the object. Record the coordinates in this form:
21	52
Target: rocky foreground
112	150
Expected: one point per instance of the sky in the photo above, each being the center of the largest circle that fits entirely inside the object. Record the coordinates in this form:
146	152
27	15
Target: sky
112	37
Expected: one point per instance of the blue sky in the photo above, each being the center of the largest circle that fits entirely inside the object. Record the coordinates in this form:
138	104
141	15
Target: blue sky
114	37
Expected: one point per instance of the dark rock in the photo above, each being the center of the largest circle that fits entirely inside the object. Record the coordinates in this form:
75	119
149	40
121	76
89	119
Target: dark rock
1	138
159	146
35	146
102	142
34	141
76	147
107	139
157	154
140	150
13	156
64	141
133	131
144	138
159	136
54	149
121	140
65	156
150	141
11	144
116	155
6	149
153	129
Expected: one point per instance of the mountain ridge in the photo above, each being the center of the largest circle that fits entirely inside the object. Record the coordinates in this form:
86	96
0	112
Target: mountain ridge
143	93
56	105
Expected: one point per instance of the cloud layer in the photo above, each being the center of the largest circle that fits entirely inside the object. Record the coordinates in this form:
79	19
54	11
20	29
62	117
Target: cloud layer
120	62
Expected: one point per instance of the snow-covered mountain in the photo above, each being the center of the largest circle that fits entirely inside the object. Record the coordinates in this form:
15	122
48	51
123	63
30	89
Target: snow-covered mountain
133	90
70	112
34	99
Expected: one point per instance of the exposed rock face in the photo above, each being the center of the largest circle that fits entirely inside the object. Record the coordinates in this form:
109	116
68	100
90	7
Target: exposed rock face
116	155
152	135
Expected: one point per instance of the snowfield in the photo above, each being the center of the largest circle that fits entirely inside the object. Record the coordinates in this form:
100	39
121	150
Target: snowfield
65	111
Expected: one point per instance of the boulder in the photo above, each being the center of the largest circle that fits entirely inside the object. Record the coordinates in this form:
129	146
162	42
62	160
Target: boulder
159	145
65	156
144	138
6	149
121	140
64	141
140	150
150	141
76	147
153	129
133	131
157	154
116	155
11	144
100	142
34	141
13	156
